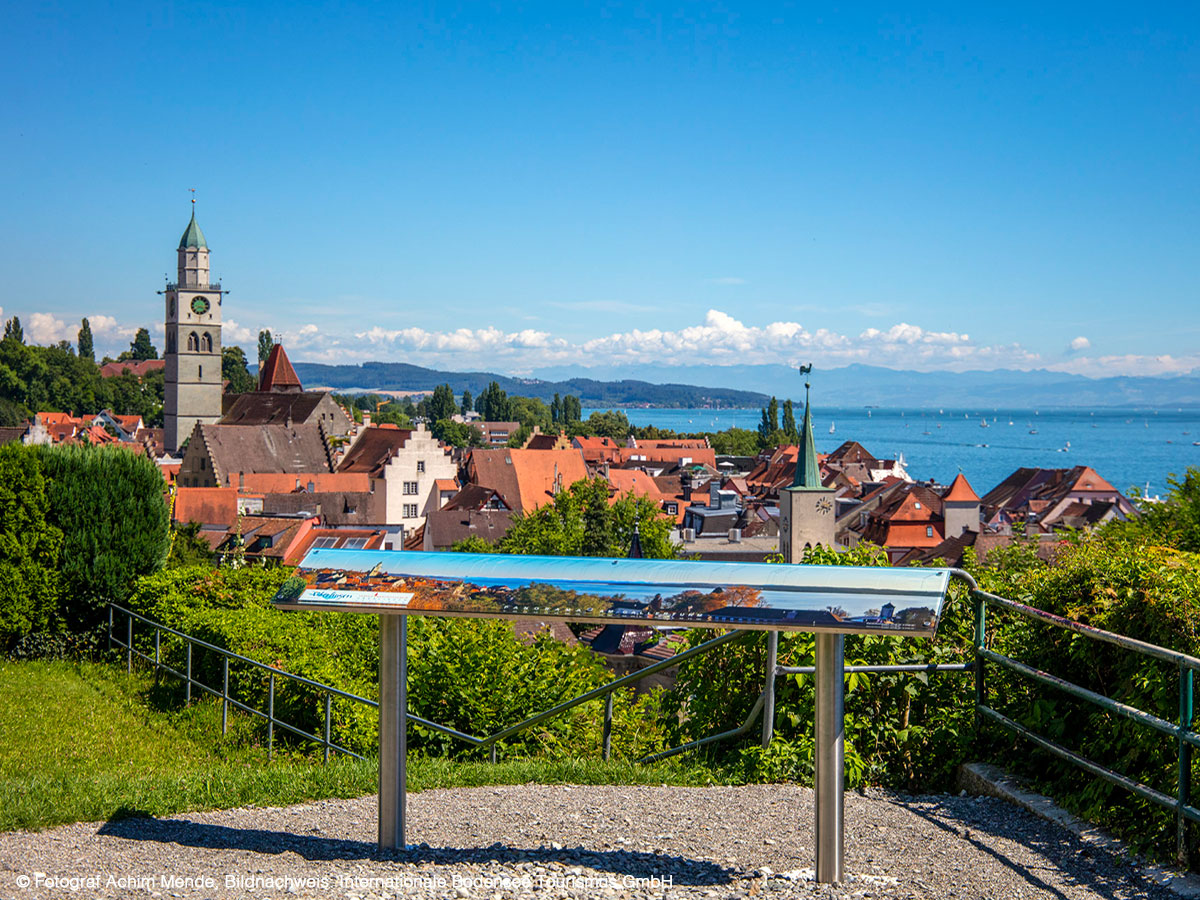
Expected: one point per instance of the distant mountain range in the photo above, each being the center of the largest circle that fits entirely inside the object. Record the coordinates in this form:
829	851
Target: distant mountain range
381	376
855	385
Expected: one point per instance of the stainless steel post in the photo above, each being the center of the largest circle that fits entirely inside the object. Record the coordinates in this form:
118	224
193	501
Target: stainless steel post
328	717
157	651
828	756
270	716
225	696
129	644
189	673
393	737
768	726
608	717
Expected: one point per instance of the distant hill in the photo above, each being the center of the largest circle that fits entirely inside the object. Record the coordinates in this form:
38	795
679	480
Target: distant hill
381	376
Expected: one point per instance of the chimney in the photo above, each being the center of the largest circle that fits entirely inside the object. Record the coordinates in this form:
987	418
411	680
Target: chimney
311	487
366	419
241	481
685	483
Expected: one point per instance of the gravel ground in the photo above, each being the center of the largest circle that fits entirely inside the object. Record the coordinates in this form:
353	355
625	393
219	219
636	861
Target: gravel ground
557	841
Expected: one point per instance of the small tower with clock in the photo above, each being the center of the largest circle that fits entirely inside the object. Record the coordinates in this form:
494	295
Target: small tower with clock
807	510
192	389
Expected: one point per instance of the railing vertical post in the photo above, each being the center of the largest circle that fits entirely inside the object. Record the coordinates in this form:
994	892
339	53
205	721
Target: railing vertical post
768	726
828	755
110	625
393	729
225	695
493	755
328	719
271	717
129	644
608	717
1184	785
980	644
189	674
157	651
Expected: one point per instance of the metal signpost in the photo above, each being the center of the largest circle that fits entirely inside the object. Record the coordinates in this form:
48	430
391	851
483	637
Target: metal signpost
830	601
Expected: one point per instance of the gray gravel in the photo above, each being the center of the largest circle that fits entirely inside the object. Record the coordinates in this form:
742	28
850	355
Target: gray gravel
557	841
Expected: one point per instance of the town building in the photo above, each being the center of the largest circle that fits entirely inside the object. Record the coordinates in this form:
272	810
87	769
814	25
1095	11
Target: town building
806	507
192	359
282	400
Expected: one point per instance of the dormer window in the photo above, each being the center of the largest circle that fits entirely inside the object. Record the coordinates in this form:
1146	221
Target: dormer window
917	505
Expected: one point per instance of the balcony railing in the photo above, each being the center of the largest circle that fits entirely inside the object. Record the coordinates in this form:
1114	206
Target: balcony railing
211	286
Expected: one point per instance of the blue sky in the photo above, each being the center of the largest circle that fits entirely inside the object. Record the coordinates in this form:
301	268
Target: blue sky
508	187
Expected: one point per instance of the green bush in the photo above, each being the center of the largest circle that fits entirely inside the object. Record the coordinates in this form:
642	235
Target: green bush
902	730
469	674
29	548
109	505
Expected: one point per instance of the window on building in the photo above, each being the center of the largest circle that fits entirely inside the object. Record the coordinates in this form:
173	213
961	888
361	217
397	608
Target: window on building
672	508
410	488
193	342
410	510
928	531
354	544
420	465
170	343
324	543
202	463
199	371
206	343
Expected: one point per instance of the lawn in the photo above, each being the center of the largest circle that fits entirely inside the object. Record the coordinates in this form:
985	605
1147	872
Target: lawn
85	742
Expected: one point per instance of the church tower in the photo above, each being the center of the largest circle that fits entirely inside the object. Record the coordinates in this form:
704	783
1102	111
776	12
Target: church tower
192	390
806	509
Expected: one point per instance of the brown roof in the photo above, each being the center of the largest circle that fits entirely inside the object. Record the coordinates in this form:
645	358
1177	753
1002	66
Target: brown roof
372	536
277	373
272	408
526	479
446	527
473	496
133	366
285	482
10	435
374	447
960	491
208	506
300	449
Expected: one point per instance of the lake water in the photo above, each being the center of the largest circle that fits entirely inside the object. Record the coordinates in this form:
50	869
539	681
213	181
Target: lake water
1127	447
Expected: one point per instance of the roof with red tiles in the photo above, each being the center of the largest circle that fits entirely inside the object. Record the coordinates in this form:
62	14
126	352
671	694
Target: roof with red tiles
277	373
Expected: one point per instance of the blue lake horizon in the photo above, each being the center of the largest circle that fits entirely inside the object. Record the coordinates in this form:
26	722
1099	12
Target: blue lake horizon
1127	446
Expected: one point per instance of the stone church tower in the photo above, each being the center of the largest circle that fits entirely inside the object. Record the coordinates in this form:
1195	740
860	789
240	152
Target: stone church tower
807	511
192	390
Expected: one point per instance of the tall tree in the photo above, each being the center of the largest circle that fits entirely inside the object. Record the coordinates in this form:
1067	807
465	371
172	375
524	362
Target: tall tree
234	369
467	402
789	423
84	340
572	410
141	347
13	329
441	404
493	404
265	343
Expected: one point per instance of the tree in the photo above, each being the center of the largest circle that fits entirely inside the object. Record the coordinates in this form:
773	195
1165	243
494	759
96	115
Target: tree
265	343
109	505
141	347
29	547
188	548
1173	523
493	404
14	331
467	404
235	370
457	434
582	522
84	340
441	404
612	424
734	442
791	434
572	410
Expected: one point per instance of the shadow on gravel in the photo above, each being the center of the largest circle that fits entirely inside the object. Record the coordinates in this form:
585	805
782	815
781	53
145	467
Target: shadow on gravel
1077	862
219	837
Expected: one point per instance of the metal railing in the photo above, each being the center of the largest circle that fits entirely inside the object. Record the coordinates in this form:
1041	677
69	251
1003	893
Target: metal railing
1181	730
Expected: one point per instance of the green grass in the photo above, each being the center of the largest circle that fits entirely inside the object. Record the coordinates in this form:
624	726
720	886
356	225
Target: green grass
85	741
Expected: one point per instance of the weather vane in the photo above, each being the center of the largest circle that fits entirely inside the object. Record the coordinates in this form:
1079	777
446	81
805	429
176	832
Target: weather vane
806	370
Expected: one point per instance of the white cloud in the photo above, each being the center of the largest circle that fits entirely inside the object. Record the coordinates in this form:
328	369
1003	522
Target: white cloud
1080	343
1129	364
45	328
232	332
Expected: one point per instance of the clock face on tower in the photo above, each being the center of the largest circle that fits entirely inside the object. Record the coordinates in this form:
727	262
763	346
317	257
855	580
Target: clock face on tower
199	305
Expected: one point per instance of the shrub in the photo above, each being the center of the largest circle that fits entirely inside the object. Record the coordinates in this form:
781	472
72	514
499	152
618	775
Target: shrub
29	548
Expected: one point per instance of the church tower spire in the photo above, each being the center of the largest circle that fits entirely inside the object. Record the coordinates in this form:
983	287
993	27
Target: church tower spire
192	383
806	509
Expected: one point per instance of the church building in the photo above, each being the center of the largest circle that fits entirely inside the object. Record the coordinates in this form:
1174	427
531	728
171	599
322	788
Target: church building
192	389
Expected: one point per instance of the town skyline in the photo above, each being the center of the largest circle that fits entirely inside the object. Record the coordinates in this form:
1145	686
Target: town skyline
610	188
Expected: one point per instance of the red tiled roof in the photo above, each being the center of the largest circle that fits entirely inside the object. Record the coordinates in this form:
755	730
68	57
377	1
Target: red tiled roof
960	491
283	482
277	373
525	479
208	506
136	367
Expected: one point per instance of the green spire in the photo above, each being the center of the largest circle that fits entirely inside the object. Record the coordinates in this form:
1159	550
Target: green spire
808	476
193	236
